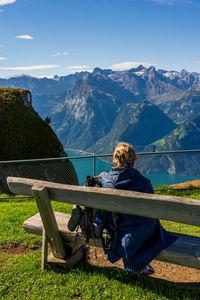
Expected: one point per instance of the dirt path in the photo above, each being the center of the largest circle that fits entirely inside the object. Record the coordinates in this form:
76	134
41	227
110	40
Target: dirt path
164	271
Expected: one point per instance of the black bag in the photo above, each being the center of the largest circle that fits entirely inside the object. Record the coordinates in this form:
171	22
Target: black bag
91	221
94	222
93	181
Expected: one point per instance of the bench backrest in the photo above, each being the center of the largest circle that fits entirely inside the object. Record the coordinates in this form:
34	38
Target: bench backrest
171	208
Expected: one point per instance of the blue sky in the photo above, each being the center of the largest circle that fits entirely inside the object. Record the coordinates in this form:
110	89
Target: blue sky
59	37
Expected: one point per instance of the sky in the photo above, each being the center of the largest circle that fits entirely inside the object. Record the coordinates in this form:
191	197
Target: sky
44	38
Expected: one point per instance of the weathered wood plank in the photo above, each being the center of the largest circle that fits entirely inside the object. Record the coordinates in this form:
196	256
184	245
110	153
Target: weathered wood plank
34	225
171	208
44	250
49	221
184	251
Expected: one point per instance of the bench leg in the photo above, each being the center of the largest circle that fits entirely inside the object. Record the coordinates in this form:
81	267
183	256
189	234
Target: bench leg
66	263
44	250
49	221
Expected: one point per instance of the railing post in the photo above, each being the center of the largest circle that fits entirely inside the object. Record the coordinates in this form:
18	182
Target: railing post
94	165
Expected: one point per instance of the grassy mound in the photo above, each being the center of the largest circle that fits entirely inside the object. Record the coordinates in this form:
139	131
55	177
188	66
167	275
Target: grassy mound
24	135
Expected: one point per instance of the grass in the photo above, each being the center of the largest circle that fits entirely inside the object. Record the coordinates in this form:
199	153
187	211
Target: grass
12	215
21	276
179	227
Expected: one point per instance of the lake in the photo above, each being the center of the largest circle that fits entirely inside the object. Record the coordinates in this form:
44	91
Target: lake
84	167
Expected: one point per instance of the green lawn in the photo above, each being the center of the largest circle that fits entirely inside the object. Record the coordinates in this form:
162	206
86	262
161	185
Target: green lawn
179	227
22	278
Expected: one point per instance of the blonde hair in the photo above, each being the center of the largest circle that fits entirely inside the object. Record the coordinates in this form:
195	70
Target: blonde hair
124	155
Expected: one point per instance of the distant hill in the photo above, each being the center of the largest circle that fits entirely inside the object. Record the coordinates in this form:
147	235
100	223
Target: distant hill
183	108
186	136
24	135
136	124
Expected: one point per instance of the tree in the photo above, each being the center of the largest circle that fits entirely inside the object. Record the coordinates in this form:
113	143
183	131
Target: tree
48	120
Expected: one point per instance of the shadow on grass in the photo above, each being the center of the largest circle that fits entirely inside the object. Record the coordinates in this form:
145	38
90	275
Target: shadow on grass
161	287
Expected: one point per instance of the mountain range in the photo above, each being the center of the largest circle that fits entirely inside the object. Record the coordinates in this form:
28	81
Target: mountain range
143	106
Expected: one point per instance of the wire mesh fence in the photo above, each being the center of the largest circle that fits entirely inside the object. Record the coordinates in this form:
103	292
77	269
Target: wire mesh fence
169	168
166	168
58	170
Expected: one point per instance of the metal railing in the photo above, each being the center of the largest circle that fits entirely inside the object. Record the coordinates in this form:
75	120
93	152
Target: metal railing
162	168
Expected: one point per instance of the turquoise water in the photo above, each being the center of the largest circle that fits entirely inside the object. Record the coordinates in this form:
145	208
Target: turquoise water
84	167
168	179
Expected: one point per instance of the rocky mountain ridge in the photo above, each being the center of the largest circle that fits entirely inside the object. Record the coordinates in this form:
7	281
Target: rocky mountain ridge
87	107
96	112
150	84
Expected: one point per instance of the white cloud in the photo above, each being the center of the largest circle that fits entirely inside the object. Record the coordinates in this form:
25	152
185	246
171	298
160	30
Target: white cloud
44	76
25	37
81	70
2	58
77	67
129	65
29	68
197	62
5	2
60	53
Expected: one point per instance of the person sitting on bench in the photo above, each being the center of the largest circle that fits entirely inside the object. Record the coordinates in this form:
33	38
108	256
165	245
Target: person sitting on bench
139	239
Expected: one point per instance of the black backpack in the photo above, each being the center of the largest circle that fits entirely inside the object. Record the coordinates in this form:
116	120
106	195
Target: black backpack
94	223
91	221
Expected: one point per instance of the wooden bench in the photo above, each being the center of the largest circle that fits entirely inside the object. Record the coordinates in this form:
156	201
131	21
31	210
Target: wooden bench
52	225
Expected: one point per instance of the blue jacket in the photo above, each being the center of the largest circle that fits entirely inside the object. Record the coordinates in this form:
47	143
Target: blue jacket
139	239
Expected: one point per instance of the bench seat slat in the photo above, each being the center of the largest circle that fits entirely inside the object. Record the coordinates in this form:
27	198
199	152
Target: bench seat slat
184	251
